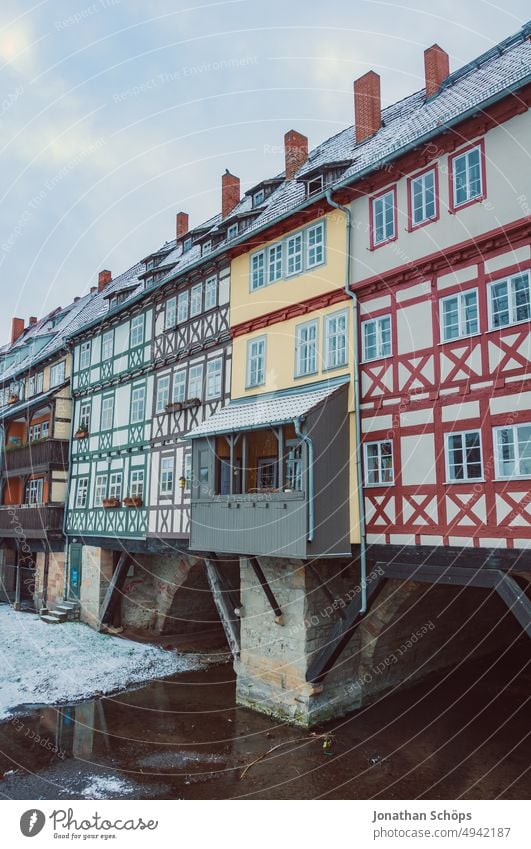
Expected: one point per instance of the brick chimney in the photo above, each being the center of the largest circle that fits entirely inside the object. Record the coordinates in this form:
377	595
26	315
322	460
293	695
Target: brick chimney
230	192
367	106
295	152
33	320
17	329
436	68
181	225
104	277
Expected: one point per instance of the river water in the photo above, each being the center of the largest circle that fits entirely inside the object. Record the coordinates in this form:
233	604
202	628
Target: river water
458	734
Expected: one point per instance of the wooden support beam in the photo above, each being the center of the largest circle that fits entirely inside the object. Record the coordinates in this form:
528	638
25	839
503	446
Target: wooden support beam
257	569
452	576
224	604
516	600
118	577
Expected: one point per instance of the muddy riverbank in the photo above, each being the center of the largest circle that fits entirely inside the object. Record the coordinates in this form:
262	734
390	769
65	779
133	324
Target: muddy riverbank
459	734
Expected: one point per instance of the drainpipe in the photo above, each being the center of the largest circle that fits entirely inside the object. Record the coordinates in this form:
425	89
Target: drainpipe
68	479
309	442
356	387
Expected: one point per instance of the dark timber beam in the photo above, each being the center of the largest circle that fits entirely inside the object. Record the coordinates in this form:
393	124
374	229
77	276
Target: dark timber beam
224	604
115	584
257	569
324	587
516	600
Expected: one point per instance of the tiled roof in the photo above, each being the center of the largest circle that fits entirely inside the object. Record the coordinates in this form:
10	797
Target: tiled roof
266	410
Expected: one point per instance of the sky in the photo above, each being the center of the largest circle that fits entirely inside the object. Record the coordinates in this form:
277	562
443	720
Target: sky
116	114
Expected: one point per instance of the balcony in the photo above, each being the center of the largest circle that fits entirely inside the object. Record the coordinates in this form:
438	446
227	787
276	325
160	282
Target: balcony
36	455
31	520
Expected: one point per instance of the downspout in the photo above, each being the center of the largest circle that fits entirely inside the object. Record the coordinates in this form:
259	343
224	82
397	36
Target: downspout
356	389
309	443
68	477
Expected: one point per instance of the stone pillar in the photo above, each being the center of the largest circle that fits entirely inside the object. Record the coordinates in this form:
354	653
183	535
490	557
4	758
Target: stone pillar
97	570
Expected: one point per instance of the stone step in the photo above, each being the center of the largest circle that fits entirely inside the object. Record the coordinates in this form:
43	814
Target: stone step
64	608
62	615
72	605
50	619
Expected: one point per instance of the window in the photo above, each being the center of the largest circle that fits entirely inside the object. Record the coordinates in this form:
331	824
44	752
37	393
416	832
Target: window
196	299
57	374
84	355
513	451
383	224
257	271
136	483
187	473
315	245
39	382
84	415
31	387
170	317
35	491
45	430
314	185
137	331
463	456
335	344
467	178
510	300
179	386
115	485
274	263
211	293
107	413
379	463
422	198
213	379
100	490
182	307
82	492
294	254
232	231
35	433
187	244
195	382
459	315
138	404
377	338
255	362
207	247
163	394
258	197
166	475
306	349
107	345
293	476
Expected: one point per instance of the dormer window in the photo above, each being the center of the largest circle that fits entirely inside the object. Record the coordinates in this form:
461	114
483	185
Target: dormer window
258	197
207	247
232	231
314	185
187	244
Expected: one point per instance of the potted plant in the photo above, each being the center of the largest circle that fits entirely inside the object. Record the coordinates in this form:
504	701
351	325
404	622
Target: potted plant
110	503
191	402
133	501
13	398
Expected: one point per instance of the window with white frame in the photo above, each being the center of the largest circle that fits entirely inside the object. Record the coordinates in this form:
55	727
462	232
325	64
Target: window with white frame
195	382
232	231
163	394
510	300
84	355
207	247
100	490
213	378
82	492
211	293
467	180
107	413
463	456
39	383
35	491
179	386
137	331
84	414
257	270
182	307
422	199
274	263
31	386
306	349
335	340
170	314
383	218
115	485
459	315
376	338
379	463
187	244
136	483
57	373
315	245
107	345
512	447
138	404
255	362
294	254
167	465
187	472
35	432
258	197
45	429
196	299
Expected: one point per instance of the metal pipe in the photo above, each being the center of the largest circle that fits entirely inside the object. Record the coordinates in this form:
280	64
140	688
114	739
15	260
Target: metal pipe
68	479
311	485
356	391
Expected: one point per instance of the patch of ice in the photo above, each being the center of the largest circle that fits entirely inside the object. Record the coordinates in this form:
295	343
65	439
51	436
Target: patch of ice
104	786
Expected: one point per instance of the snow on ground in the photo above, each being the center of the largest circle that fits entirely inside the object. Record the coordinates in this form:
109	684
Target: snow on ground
105	787
49	664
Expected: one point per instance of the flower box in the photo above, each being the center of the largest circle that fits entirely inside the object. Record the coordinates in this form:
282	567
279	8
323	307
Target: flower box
81	434
110	503
133	501
13	399
191	402
174	408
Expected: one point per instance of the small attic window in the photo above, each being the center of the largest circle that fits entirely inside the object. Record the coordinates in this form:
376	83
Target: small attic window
258	197
187	244
207	247
232	231
314	185
150	264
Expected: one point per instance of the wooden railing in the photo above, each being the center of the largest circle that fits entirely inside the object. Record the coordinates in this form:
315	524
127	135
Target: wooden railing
30	519
35	455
